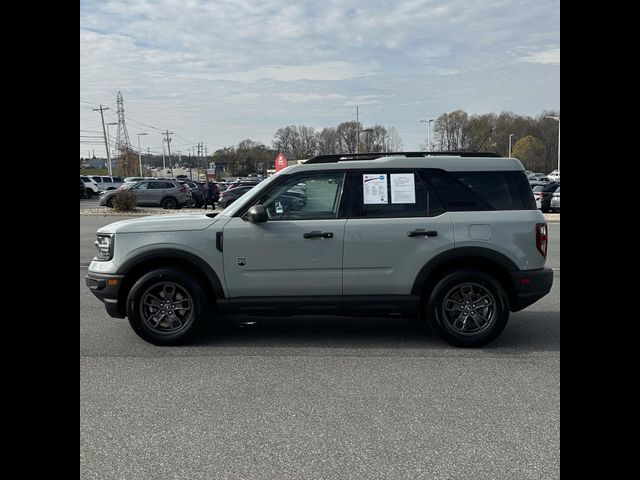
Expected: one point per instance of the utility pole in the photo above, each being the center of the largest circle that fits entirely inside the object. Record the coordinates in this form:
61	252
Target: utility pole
169	150
357	131
164	166
140	152
104	132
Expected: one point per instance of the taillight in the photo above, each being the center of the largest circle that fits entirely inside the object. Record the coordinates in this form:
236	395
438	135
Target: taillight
542	238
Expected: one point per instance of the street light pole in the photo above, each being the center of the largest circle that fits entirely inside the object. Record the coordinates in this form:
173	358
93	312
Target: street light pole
510	135
558	120
428	122
430	145
140	152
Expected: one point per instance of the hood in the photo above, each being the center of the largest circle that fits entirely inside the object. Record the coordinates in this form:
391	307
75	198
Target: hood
160	223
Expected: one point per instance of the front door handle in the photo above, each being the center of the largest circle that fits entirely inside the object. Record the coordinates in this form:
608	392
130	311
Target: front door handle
422	233
317	234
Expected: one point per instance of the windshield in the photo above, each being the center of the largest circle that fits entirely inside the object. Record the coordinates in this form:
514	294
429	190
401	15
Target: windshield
250	195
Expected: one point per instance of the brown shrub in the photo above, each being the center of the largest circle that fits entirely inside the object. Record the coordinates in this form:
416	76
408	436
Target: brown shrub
125	201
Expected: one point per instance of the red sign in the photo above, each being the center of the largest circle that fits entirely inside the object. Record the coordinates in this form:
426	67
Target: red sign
281	162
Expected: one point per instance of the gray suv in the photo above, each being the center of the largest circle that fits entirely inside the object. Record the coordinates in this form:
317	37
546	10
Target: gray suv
453	238
168	194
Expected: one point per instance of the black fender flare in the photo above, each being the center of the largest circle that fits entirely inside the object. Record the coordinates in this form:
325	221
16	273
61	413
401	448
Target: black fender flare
462	252
174	253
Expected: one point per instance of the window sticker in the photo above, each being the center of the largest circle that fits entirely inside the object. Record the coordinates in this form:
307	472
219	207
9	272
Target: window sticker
374	188
403	188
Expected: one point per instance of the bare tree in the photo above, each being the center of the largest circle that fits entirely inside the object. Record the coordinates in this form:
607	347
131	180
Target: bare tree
394	142
327	141
287	139
347	136
451	130
308	143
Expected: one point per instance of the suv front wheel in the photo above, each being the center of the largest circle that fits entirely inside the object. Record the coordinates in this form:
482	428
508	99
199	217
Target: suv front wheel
165	307
468	308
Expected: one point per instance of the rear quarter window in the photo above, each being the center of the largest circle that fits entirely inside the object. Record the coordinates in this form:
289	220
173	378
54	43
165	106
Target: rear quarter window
474	191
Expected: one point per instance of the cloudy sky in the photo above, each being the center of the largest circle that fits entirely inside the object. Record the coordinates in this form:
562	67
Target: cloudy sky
220	71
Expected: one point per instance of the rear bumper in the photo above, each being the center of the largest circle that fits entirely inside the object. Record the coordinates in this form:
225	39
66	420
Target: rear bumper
106	292
530	286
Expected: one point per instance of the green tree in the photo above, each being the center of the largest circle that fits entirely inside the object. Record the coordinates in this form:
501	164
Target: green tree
530	151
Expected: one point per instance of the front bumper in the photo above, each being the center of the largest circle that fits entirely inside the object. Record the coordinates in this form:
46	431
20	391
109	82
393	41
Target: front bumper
105	287
530	286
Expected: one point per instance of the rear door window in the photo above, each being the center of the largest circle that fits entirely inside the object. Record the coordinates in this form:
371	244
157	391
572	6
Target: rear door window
389	193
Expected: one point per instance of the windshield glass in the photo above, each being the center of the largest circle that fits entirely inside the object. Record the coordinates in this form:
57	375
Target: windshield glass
255	191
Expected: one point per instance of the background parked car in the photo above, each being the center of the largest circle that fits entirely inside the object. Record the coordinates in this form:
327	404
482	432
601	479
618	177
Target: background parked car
197	193
542	195
537	195
91	185
231	195
243	183
540	181
83	190
107	182
555	201
554	176
153	193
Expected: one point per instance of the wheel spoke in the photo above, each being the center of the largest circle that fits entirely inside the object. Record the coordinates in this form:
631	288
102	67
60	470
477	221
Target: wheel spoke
152	301
483	301
182	304
175	319
168	291
484	319
156	319
453	306
467	292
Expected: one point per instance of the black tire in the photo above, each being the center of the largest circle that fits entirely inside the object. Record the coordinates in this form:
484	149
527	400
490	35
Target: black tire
166	290
169	203
110	201
87	193
468	308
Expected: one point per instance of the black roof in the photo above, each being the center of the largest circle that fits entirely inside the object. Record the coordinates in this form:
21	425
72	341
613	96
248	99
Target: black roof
372	155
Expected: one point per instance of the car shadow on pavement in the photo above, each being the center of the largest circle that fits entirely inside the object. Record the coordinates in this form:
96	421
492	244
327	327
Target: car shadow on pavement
525	332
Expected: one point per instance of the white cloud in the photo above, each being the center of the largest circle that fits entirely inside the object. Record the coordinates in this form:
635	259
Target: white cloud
206	68
551	56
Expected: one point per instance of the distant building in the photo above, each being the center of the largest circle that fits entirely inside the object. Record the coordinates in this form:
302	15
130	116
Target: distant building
97	163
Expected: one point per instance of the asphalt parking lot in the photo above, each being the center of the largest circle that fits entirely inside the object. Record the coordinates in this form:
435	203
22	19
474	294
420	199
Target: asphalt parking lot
319	397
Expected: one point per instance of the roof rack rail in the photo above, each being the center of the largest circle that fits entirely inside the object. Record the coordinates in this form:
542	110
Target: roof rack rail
345	157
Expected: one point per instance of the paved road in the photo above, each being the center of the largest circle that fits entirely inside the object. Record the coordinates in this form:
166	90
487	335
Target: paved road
322	398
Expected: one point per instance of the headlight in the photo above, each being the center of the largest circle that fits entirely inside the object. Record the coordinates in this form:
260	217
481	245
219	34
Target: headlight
104	247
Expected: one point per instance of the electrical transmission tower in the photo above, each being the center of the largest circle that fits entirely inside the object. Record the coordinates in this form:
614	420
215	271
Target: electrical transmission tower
126	156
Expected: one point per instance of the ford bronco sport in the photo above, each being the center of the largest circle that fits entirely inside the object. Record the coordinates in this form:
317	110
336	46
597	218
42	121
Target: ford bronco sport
454	238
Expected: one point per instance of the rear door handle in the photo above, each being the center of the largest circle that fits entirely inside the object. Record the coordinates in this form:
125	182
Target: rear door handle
317	234
422	233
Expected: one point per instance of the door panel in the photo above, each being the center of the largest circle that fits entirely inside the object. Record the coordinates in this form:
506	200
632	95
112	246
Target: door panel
275	259
381	258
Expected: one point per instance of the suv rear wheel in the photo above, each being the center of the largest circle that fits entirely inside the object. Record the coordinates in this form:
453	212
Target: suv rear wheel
166	307
169	203
468	308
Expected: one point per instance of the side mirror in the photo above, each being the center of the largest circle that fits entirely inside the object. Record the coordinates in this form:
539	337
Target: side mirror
257	214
